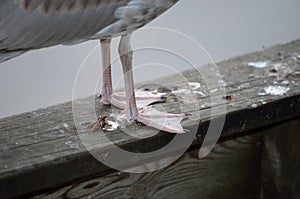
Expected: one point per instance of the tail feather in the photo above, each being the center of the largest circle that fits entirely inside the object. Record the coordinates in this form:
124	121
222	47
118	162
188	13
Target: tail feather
4	56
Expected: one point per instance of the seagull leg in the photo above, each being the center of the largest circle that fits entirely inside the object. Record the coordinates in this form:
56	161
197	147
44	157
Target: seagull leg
107	89
144	98
126	55
149	115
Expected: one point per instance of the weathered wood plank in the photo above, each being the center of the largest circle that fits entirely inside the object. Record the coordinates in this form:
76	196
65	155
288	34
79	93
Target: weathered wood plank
45	143
281	161
225	173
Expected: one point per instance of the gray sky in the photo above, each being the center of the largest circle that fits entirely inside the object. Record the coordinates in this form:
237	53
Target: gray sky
224	28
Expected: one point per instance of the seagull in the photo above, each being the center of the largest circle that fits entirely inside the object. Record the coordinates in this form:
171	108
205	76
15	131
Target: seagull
35	24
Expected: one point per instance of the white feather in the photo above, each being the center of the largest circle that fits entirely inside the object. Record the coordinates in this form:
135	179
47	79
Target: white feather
135	14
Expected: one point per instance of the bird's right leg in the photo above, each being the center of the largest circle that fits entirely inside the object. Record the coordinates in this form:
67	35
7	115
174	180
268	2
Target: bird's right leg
107	89
144	98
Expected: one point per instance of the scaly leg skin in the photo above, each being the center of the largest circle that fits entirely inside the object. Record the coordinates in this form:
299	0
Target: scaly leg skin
107	89
148	116
144	98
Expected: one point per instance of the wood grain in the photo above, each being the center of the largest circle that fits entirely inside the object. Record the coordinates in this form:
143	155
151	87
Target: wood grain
226	173
281	161
44	145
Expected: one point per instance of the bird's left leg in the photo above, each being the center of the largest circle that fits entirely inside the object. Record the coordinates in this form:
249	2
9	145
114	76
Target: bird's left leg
148	115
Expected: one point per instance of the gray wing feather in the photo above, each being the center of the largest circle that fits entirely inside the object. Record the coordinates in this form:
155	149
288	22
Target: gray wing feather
32	24
25	24
56	6
4	56
29	5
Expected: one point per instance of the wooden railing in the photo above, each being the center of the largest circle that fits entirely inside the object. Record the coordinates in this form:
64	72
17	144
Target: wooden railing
256	156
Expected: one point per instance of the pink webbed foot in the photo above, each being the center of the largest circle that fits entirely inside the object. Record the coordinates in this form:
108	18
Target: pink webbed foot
163	121
134	102
143	99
